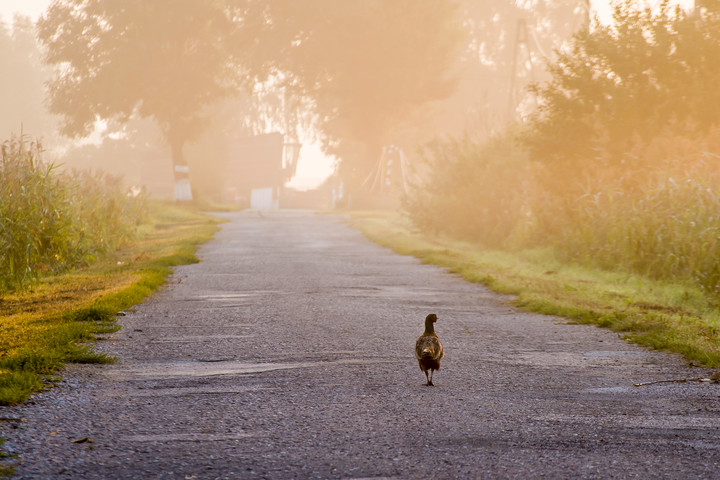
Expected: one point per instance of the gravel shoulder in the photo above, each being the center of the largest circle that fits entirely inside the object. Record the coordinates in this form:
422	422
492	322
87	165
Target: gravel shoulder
288	353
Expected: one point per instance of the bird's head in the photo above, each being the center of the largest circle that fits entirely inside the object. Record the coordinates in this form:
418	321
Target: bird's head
432	318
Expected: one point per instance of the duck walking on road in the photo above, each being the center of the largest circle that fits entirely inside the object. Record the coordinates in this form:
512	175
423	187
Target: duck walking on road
428	349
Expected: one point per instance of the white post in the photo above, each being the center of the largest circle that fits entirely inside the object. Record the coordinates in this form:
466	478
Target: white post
183	192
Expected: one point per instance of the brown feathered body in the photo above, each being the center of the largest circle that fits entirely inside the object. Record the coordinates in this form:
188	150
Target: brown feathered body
429	349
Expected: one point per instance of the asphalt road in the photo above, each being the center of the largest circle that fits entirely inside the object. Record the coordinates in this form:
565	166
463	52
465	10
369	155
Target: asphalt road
288	353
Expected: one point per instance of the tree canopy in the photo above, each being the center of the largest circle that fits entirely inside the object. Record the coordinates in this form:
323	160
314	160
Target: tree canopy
366	71
367	66
364	67
165	59
622	84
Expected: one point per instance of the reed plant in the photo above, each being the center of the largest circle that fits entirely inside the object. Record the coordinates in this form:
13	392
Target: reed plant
52	221
661	220
668	229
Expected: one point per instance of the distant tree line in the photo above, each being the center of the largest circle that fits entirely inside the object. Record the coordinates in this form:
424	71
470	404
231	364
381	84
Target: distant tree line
364	65
361	75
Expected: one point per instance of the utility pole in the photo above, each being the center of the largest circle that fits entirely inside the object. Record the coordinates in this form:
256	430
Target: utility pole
588	12
521	42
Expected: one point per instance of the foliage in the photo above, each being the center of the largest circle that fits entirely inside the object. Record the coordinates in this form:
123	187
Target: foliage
619	85
368	72
666	225
382	73
167	60
475	192
51	222
43	328
367	66
625	106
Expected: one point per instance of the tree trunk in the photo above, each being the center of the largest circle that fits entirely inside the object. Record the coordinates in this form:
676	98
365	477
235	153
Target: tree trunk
183	192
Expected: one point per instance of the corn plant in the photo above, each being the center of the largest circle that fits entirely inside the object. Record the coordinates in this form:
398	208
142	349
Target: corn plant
49	221
667	230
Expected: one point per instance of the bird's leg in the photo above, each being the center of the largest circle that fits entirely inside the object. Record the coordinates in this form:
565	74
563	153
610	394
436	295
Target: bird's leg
429	382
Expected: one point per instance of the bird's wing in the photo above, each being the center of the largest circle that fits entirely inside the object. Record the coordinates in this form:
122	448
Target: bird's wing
440	351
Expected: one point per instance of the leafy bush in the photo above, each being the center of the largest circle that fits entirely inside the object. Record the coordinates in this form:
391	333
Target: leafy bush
50	222
623	163
474	192
626	144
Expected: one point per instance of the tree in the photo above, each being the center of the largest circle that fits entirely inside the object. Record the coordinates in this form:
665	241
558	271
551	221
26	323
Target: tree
623	84
404	71
163	59
366	66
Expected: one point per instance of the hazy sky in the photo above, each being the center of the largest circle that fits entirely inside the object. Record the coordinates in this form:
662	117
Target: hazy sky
32	8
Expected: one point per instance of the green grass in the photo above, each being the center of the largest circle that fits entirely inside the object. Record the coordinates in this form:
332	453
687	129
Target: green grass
665	316
54	321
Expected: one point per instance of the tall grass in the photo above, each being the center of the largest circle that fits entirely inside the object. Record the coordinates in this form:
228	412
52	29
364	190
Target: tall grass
667	316
660	218
50	222
668	228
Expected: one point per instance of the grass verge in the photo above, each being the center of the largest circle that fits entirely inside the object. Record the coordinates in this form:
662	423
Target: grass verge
52	323
664	316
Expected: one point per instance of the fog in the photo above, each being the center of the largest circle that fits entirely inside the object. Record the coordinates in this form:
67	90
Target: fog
173	95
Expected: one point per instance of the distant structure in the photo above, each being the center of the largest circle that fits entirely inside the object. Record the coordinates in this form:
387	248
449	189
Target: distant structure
389	176
257	169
